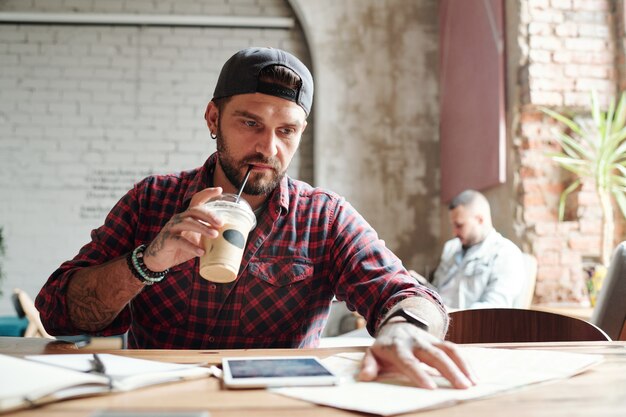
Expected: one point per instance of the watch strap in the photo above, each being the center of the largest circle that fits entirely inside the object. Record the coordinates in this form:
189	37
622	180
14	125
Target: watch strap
409	316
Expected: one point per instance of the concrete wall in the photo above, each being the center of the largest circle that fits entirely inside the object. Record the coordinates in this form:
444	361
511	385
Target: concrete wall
376	140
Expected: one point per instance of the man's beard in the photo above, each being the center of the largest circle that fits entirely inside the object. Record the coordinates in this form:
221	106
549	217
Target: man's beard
235	174
472	239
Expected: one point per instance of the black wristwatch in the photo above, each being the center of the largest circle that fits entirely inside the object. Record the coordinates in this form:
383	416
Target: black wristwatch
410	318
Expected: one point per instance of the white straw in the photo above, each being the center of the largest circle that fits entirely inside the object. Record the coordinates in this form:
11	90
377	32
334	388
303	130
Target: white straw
243	184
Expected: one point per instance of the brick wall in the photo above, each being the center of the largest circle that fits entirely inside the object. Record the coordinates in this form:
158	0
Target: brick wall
620	49
570	48
85	111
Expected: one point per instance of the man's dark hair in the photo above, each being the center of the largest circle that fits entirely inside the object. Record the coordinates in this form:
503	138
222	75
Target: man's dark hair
273	74
283	76
465	198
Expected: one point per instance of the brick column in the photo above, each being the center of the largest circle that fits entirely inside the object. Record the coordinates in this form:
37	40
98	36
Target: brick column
569	49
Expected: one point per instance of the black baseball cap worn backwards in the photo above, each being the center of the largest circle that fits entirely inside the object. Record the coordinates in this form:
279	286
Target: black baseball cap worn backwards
240	75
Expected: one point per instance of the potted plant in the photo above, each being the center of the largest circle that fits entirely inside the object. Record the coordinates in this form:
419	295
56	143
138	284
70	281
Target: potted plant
594	149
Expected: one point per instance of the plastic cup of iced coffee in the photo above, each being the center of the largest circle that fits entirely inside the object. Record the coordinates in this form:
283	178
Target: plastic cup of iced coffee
222	255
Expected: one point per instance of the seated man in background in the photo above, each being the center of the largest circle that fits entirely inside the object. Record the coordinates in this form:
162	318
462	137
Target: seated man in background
479	268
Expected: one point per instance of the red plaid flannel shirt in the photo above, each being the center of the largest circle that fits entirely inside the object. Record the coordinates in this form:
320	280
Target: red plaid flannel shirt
308	245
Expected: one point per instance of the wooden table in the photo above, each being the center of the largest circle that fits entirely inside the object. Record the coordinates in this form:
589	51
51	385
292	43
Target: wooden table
601	391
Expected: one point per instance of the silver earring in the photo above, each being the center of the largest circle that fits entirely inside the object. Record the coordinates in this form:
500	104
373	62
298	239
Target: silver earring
213	135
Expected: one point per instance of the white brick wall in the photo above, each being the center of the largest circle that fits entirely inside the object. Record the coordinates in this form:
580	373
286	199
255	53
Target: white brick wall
85	111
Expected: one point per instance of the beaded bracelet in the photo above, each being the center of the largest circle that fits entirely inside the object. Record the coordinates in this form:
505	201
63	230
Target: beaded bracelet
139	268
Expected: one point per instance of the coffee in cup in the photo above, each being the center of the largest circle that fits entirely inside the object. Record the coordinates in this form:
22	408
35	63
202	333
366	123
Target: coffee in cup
222	255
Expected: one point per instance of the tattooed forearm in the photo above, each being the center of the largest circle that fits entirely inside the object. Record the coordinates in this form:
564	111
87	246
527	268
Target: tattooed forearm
96	295
90	313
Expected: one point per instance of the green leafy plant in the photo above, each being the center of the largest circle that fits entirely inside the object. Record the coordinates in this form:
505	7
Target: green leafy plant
594	149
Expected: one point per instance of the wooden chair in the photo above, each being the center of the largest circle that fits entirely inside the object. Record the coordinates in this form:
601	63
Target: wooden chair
511	325
25	305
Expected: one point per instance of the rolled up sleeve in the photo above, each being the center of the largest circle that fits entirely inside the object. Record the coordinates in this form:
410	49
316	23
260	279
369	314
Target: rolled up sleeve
368	276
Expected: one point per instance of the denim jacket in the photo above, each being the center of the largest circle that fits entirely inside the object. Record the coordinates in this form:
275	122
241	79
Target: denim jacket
489	274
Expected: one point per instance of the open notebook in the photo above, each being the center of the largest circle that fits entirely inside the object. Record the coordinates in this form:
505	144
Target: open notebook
46	378
498	370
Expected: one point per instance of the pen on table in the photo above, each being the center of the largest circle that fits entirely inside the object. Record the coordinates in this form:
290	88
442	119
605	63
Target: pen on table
97	365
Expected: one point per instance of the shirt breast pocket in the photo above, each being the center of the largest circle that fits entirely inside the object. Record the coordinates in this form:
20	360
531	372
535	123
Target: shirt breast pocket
477	269
275	297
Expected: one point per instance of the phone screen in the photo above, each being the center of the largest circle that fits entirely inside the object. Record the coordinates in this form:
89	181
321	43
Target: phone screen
276	372
276	368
